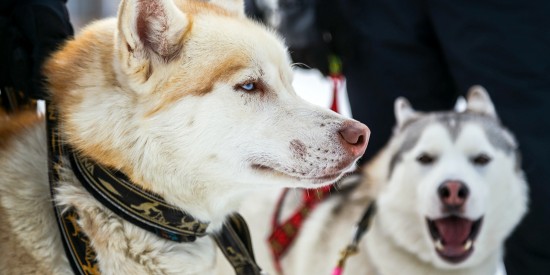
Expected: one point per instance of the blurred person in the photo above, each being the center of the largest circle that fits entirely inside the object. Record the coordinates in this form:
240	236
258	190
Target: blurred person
29	31
432	51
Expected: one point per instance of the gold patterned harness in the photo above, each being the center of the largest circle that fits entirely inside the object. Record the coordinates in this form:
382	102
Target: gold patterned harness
136	205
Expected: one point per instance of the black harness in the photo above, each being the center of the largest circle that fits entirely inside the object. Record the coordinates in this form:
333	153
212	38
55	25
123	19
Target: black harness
361	227
136	205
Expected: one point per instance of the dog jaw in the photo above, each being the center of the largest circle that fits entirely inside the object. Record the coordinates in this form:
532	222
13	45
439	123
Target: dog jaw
454	237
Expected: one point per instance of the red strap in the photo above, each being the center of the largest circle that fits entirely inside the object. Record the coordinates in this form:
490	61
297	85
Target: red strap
337	81
283	234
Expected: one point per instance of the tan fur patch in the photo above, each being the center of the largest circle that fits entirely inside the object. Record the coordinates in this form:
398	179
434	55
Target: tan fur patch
193	84
196	7
74	60
101	154
91	49
12	126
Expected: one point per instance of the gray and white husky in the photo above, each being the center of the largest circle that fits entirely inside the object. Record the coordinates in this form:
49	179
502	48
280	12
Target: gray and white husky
449	189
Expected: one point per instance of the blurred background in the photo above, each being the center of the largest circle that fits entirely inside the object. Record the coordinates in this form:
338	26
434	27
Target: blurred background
83	12
430	51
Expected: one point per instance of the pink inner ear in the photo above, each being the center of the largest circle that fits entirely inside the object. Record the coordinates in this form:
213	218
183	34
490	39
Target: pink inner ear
152	28
150	12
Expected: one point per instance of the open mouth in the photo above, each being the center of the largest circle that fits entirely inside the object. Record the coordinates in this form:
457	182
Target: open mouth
325	178
454	237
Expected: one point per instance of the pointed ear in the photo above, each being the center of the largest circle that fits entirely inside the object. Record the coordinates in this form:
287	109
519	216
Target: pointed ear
149	32
460	104
479	101
403	111
232	6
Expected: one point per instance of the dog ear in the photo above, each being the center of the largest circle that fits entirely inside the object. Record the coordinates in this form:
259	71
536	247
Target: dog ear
232	6
460	105
403	111
149	31
480	102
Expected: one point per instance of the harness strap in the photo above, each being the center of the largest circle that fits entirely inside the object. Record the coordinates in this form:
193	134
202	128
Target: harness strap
235	243
283	234
144	209
80	254
353	248
337	82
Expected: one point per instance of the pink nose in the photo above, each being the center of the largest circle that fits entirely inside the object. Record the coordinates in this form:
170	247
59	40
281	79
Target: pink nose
453	194
354	137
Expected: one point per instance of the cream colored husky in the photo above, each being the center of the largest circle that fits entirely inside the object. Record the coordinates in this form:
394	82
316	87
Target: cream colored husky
189	99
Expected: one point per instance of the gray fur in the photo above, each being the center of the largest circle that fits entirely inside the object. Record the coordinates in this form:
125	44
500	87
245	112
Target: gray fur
454	122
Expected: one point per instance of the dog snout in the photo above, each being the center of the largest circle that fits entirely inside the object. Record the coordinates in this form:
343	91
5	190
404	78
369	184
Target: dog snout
453	195
354	137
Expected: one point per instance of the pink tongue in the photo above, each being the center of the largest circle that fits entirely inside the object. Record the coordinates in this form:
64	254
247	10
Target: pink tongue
453	231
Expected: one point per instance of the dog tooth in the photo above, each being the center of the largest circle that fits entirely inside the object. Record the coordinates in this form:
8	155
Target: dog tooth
468	244
439	245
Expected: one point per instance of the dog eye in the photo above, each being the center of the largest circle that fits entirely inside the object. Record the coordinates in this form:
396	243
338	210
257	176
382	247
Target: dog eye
425	159
249	87
481	160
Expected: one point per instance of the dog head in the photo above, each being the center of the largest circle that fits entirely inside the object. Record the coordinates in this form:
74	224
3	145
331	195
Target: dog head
194	98
455	189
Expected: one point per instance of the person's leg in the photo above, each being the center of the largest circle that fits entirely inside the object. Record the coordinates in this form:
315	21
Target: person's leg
392	52
504	46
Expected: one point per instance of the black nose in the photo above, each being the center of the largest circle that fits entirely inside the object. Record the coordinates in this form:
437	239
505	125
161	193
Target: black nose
453	194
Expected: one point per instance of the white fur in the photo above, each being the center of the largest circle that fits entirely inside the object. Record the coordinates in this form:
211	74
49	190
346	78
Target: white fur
151	105
398	241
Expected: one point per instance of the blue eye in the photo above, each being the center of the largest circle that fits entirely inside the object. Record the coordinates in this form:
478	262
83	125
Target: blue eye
249	86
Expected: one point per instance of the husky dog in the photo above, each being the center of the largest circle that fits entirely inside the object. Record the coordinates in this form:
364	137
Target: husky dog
448	187
191	101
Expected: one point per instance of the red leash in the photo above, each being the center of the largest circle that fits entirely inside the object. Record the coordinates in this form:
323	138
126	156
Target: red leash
283	234
337	82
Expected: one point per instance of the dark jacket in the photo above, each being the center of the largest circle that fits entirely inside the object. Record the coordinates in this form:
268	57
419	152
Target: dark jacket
29	31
